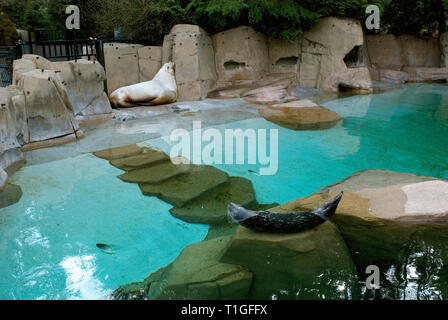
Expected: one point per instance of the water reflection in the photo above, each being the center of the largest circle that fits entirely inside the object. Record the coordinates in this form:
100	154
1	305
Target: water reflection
81	282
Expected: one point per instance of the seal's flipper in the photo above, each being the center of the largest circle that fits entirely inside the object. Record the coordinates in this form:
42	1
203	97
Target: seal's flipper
328	209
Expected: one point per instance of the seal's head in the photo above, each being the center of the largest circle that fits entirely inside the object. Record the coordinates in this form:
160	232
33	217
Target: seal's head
236	213
169	68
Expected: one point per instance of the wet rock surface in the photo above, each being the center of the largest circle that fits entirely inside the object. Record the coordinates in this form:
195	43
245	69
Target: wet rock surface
304	265
148	157
396	221
212	209
10	195
155	173
201	180
195	274
119	152
300	115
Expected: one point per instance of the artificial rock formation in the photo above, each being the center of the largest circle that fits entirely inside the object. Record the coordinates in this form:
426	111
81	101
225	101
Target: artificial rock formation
241	54
304	265
444	50
383	214
13	127
49	113
48	98
149	62
84	82
195	274
323	49
269	90
300	115
191	50
407	58
122	65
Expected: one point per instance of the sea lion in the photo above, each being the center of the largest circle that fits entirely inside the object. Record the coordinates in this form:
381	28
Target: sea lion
161	89
279	222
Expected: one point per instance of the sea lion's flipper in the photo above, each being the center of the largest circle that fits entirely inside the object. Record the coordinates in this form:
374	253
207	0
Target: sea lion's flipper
328	209
236	213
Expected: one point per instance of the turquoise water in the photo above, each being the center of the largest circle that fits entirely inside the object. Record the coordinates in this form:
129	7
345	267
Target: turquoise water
48	239
47	242
403	130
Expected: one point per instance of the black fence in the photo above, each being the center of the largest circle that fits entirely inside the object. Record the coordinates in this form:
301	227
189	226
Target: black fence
55	45
7	56
60	50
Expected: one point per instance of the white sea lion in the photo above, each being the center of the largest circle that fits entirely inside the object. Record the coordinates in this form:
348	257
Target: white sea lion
161	89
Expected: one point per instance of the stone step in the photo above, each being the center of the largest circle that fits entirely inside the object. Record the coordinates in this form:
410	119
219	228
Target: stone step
119	152
212	208
147	158
186	188
156	173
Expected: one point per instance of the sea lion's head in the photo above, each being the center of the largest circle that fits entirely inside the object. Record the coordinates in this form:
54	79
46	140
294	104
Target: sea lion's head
169	67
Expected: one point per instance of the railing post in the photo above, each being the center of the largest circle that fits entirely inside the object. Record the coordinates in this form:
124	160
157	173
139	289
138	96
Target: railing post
19	49
99	50
30	42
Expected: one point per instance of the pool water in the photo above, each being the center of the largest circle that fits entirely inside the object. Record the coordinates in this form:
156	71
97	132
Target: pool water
48	239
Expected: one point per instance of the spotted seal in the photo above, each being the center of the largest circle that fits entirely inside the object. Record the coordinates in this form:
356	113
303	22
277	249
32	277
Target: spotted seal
276	222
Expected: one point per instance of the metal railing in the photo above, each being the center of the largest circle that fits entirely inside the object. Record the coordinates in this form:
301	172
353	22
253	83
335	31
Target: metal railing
7	56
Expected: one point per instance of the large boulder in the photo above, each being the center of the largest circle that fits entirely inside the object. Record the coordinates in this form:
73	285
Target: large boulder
313	264
300	115
8	134
39	61
21	66
394	53
196	274
419	52
357	80
121	61
149	62
384	52
10	194
84	82
383	214
444	50
240	54
48	109
212	208
13	128
323	49
284	56
191	49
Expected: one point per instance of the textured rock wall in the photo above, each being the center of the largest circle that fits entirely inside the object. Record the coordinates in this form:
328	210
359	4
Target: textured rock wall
128	64
240	54
390	52
191	50
47	98
121	62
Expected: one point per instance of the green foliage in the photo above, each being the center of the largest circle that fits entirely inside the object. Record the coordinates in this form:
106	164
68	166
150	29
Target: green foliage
424	17
151	19
8	33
